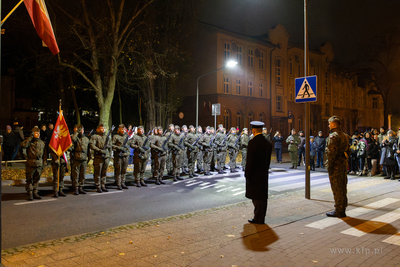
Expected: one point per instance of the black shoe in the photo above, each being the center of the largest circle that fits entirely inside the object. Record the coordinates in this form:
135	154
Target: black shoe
253	221
157	182
392	178
341	214
99	189
383	174
179	178
291	167
103	188
221	172
175	179
142	183
61	193
36	196
207	173
30	196
387	177
195	175
138	184
55	194
298	164
81	191
124	186
190	175
317	166
76	192
161	181
119	187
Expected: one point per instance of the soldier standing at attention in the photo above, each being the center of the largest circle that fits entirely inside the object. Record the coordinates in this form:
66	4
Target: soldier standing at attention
102	152
257	165
266	134
168	162
214	151
57	163
337	148
176	152
159	154
200	151
244	142
184	158
35	149
140	157
232	149
207	151
293	141
121	156
191	150
220	149
71	153
81	157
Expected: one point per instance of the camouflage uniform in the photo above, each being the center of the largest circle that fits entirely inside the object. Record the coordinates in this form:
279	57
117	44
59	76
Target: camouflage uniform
232	150
185	159
221	150
199	154
168	162
293	140
140	157
35	149
207	152
158	153
337	149
55	165
102	152
191	151
121	157
176	152
81	158
244	142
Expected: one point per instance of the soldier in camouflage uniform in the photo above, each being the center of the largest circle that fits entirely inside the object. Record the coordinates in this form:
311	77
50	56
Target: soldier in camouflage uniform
184	153
214	151
102	152
71	153
207	151
200	152
220	149
81	157
55	165
232	149
121	156
191	150
35	149
158	150
337	150
244	142
266	134
224	154
293	141
176	152
168	162
140	157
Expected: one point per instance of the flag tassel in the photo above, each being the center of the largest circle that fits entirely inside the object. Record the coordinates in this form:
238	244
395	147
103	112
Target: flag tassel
12	11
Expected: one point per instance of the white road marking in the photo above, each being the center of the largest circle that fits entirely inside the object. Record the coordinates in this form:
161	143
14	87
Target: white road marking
237	189
289	178
238	193
223	189
394	239
300	184
193	183
35	201
105	193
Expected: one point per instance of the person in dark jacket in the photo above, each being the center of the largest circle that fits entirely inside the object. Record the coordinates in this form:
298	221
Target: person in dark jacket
313	152
387	155
371	150
43	134
278	139
20	137
9	143
320	142
256	173
302	151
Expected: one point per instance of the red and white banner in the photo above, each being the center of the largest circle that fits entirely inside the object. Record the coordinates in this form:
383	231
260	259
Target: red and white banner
41	21
61	139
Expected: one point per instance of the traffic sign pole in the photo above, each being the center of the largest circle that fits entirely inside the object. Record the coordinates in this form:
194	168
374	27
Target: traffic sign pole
307	119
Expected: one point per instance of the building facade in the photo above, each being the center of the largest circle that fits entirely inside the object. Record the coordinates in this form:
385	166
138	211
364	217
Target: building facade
262	85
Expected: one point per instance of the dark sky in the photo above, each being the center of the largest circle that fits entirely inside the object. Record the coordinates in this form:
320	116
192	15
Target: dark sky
347	24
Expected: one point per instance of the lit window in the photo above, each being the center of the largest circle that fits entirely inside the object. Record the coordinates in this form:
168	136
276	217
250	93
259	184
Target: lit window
250	58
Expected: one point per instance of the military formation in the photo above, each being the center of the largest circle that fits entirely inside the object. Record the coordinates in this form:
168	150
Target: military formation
173	153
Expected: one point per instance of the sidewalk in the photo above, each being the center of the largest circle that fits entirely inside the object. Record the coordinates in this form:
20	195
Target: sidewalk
223	237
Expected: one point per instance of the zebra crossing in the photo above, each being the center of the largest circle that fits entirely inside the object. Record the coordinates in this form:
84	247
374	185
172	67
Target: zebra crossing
392	214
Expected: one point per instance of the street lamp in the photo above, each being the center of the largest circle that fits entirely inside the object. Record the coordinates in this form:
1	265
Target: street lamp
229	64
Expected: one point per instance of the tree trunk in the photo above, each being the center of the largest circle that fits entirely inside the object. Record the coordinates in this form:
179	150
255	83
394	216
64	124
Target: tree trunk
385	111
120	106
72	86
150	105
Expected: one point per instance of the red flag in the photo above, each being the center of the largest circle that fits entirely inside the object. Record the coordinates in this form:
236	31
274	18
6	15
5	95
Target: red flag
60	140
41	21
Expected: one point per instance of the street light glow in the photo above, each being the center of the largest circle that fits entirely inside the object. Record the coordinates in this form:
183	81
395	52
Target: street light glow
231	63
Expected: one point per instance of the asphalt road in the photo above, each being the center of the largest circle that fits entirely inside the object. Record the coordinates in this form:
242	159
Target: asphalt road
25	222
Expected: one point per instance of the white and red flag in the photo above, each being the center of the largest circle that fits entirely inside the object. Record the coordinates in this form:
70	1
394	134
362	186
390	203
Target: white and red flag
41	21
60	140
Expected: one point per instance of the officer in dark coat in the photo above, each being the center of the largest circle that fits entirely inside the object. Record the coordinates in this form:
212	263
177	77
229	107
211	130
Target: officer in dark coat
337	150
256	173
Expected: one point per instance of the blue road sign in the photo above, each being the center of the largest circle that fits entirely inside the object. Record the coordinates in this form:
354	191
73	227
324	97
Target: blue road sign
306	89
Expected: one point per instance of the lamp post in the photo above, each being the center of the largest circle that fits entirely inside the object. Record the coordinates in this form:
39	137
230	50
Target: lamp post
229	64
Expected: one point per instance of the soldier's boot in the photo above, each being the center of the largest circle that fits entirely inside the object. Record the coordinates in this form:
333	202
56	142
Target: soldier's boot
142	183
291	167
119	187
36	196
30	196
76	191
123	185
99	189
190	175
81	191
61	193
55	193
160	180
175	178
339	214
138	183
103	188
178	177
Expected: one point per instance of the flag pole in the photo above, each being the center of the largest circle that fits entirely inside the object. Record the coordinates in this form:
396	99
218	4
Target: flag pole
12	11
59	158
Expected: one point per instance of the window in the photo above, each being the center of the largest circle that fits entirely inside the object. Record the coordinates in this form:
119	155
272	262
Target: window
374	102
239	55
278	69
261	61
261	90
226	85
299	68
227	52
238	87
314	71
250	58
250	88
261	117
326	108
227	118
278	103
290	67
239	120
326	83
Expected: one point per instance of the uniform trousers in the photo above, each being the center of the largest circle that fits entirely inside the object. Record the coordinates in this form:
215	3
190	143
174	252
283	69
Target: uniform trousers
120	165
338	180
100	170
78	172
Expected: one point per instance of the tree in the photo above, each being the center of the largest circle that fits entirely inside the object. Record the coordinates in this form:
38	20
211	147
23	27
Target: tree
100	32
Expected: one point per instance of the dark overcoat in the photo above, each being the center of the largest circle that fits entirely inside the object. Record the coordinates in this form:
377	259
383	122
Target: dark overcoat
257	166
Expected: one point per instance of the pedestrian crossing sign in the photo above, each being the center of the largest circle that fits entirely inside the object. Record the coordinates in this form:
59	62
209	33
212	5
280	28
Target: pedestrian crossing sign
306	89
